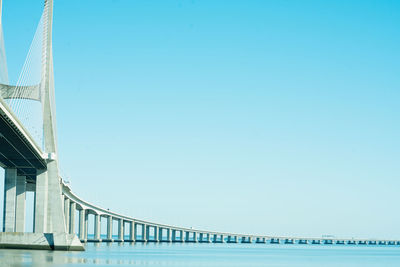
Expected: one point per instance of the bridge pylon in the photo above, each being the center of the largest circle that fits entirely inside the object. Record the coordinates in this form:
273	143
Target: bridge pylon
49	225
3	61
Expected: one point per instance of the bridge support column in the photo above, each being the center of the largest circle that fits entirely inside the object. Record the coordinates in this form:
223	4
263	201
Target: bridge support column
82	215
72	218
10	191
195	237
109	228
121	230
145	233
135	231
66	212
20	204
173	235
97	227
155	233
132	231
86	225
168	235
214	238
187	236
40	224
160	234
182	236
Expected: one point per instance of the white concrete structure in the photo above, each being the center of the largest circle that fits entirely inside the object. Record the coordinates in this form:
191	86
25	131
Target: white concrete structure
28	168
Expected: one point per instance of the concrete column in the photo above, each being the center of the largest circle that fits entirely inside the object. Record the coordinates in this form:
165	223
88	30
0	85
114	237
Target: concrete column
201	237
82	224
144	233
147	233
169	235
109	228
195	237
135	231
222	239
20	205
208	237
97	227
215	237
66	212
10	191
160	234
155	233
182	236
72	218
187	236
86	224
40	221
121	229
132	231
173	235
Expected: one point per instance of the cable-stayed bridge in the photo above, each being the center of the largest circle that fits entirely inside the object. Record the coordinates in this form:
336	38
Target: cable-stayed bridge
29	155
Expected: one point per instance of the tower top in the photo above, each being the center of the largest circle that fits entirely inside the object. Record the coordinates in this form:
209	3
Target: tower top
1	11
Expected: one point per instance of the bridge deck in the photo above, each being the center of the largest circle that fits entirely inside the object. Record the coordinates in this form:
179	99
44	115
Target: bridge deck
17	148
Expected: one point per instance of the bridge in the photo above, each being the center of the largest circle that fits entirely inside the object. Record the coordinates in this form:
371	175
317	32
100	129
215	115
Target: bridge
31	165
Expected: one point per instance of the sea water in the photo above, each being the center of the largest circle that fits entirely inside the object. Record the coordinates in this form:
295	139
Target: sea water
208	255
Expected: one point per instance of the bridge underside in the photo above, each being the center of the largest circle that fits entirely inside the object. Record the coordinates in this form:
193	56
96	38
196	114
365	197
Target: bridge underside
16	152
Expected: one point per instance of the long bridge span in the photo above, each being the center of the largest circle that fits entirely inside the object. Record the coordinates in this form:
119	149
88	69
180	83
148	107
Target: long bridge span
146	231
31	165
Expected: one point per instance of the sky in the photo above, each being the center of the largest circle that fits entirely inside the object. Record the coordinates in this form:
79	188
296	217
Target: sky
264	117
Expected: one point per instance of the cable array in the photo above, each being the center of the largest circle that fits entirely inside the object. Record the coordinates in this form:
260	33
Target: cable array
28	111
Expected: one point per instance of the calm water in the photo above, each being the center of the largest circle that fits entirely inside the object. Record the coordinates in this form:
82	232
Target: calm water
208	255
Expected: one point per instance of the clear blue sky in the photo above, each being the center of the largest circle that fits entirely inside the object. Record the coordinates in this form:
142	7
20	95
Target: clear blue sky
270	117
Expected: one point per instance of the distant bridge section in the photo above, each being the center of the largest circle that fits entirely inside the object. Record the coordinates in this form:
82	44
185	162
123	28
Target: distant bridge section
146	231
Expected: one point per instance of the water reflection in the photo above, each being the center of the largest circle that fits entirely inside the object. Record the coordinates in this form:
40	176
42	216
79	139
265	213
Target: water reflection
206	255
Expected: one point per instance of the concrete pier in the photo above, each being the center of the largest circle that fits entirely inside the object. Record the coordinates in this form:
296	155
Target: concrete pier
66	212
260	240
156	234
20	204
109	229
132	232
195	237
169	234
82	230
275	241
246	239
10	191
145	235
72	218
120	231
97	228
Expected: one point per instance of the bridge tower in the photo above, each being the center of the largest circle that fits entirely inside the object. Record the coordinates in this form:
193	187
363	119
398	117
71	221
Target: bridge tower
3	61
49	221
